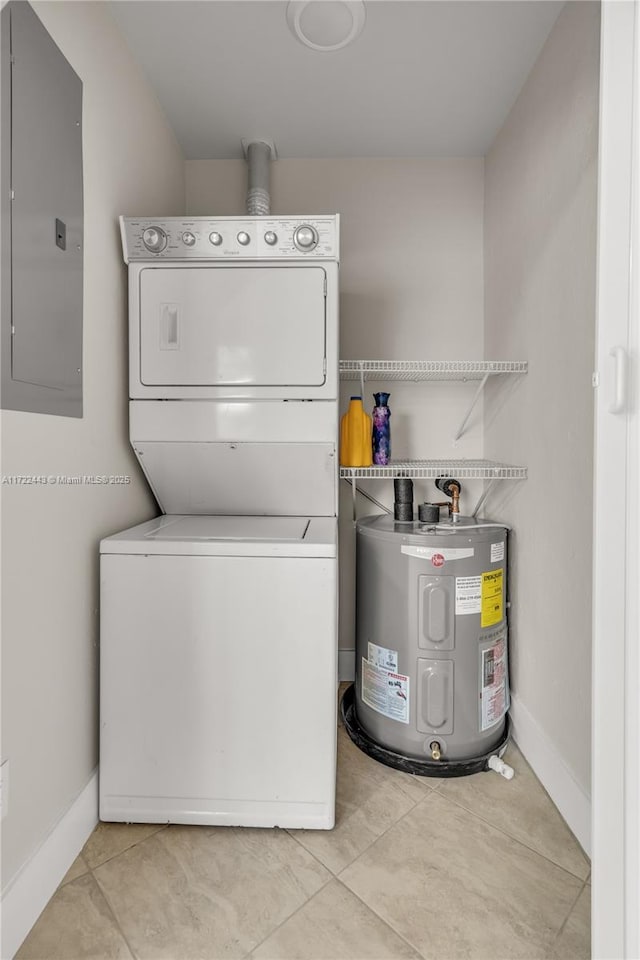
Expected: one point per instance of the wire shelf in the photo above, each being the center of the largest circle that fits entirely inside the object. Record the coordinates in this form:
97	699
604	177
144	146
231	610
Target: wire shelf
432	469
417	370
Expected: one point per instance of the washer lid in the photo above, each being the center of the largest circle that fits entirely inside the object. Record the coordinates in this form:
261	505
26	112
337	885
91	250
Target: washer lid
224	536
231	528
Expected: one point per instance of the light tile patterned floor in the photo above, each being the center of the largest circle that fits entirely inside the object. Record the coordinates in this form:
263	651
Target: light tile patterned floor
475	868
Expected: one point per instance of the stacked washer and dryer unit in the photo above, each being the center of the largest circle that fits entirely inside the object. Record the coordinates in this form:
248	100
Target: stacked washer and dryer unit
219	618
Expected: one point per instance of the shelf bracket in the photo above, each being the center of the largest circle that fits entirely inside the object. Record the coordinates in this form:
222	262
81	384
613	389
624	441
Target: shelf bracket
483	497
367	496
475	399
362	396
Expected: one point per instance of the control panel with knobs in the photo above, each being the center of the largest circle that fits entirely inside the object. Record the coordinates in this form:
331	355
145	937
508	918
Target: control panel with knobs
222	238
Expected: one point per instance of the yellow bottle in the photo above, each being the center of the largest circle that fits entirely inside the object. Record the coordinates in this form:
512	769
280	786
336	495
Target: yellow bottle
355	436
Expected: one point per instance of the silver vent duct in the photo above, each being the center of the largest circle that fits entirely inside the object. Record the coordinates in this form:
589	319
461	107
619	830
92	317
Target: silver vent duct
258	154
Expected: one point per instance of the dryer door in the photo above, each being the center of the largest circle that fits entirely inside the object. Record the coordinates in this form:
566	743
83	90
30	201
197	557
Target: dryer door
233	325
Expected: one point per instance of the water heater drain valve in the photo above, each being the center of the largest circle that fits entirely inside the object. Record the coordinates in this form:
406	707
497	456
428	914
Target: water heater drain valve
497	763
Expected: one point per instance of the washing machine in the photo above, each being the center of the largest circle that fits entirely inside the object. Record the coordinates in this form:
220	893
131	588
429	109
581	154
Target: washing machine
219	618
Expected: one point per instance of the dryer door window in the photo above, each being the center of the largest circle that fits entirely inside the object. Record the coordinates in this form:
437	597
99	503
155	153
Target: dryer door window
231	326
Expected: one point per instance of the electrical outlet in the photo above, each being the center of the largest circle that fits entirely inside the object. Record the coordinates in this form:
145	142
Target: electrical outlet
4	789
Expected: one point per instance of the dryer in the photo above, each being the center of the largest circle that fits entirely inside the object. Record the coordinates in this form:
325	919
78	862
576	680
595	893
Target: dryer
219	618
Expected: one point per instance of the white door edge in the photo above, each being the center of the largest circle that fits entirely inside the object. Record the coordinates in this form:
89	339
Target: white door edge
616	657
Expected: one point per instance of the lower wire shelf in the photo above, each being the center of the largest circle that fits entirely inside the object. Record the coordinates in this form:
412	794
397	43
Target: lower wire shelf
432	469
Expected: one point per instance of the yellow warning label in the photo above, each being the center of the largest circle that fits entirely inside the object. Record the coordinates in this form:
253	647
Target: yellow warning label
491	612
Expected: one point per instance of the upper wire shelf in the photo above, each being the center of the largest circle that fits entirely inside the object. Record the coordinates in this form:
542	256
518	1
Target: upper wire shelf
417	370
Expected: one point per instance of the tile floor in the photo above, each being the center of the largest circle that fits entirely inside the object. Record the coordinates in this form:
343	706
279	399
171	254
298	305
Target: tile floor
474	868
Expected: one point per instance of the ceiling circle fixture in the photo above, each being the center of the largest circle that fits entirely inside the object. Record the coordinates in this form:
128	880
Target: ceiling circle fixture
326	25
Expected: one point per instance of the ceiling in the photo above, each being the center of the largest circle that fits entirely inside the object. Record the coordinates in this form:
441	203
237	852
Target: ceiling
423	79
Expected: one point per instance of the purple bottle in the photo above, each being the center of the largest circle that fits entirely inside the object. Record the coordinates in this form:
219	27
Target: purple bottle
381	434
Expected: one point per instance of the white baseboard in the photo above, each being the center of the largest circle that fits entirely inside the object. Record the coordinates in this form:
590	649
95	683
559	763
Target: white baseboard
346	665
31	889
569	797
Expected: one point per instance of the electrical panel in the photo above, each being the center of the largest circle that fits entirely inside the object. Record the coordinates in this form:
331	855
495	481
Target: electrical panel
42	216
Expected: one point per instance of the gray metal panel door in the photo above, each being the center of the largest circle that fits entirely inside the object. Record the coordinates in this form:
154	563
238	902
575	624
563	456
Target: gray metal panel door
46	216
435	696
436	612
5	191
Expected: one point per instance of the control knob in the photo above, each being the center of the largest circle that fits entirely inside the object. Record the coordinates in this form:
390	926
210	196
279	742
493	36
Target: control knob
271	238
154	239
305	238
188	238
215	238
244	238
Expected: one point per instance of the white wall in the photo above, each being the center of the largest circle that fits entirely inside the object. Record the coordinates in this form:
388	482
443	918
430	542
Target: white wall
132	165
411	287
540	250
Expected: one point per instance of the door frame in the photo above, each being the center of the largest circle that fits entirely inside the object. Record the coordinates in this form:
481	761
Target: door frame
616	571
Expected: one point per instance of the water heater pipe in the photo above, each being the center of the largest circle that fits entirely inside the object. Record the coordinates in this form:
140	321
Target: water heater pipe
479	526
259	154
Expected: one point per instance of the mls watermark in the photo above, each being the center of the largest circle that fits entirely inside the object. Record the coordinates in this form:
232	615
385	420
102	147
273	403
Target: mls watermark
57	480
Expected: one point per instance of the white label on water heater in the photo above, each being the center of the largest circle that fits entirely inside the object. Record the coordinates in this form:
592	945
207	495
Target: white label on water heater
382	657
385	692
468	595
497	552
493	683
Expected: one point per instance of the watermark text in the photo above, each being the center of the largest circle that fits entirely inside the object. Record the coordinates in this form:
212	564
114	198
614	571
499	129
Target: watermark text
57	480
